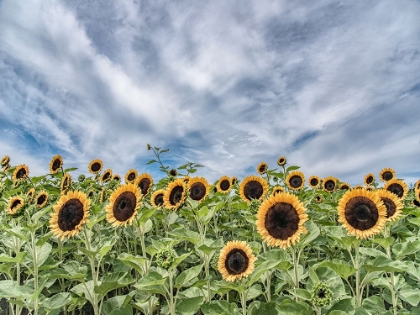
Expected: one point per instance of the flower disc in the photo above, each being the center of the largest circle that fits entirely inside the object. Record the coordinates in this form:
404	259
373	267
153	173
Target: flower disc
174	195
199	188
262	168
280	220
15	204
56	163
5	160
21	172
224	185
253	188
344	186
362	213
295	180
173	172
95	166
65	182
277	190
123	205
157	198
41	199
106	176
329	183
397	187
386	174
116	177
70	213
314	181
131	176
392	203
236	261
281	161
144	182
369	179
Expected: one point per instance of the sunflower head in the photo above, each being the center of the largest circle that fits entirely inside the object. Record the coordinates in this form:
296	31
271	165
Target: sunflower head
224	185
95	166
165	257
253	187
262	168
65	182
314	181
329	183
174	195
199	188
234	180
5	168
236	261
321	295
277	190
387	174
344	186
21	172
56	164
369	179
362	213
131	176
281	161
318	198
16	204
397	187
417	185
106	176
42	199
144	182
392	203
280	220
173	172
123	205
30	194
295	180
416	203
157	198
5	160
69	215
186	179
81	178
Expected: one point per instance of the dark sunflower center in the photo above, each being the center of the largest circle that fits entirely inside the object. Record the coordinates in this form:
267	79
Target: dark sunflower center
15	203
21	173
253	190
236	262
282	221
96	167
369	180
396	189
106	176
124	206
321	293
224	184
262	169
390	206
159	200
387	175
65	183
314	182
90	193
296	181
70	215
329	185
144	185
131	176
197	191
173	172
416	203
281	161
56	164
344	187
176	195
361	213
41	199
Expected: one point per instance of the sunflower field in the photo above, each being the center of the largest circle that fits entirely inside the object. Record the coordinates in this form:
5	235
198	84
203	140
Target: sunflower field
271	243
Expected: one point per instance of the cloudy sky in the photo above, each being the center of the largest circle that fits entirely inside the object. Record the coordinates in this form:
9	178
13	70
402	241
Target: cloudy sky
332	85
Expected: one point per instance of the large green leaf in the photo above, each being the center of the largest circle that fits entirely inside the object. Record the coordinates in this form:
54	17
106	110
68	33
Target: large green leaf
185	235
218	308
187	275
152	282
57	301
17	259
384	264
344	271
112	281
410	295
189	306
136	262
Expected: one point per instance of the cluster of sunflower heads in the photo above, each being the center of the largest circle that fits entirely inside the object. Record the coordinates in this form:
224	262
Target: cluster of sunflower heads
321	295
166	257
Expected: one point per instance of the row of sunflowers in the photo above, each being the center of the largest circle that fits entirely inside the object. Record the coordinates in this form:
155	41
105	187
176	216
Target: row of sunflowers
266	243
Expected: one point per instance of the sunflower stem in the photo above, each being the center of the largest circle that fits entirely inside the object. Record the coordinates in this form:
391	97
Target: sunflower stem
243	302
171	293
357	267
35	271
295	259
392	286
93	272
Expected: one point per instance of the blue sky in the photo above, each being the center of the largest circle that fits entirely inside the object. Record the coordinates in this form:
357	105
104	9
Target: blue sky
332	85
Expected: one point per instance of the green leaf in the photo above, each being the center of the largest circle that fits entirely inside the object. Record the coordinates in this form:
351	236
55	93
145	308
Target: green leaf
313	233
372	252
19	257
384	242
85	290
187	275
136	262
189	306
374	304
218	308
152	282
404	249
9	289
185	235
18	232
146	214
150	162
57	301
386	265
292	168
179	259
70	169
113	281
344	271
288	307
344	305
410	295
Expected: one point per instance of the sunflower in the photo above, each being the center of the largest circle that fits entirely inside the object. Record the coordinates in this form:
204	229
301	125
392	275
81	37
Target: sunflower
95	166
15	204
106	176
281	161
65	182
186	179
41	199
280	220
5	160
344	186
295	180
329	183
5	168
358	187
417	185
224	185
392	203
144	182
174	195
116	177
416	203
397	187
234	180
314	181
236	261
102	195
70	213
253	187
56	163
386	174
157	198
91	193
369	179
21	172
173	172
417	193
362	213
123	205
131	176
318	199
262	168
199	188
277	190
30	194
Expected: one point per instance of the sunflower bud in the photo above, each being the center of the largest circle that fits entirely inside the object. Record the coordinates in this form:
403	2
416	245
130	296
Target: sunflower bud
165	257
321	294
81	178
